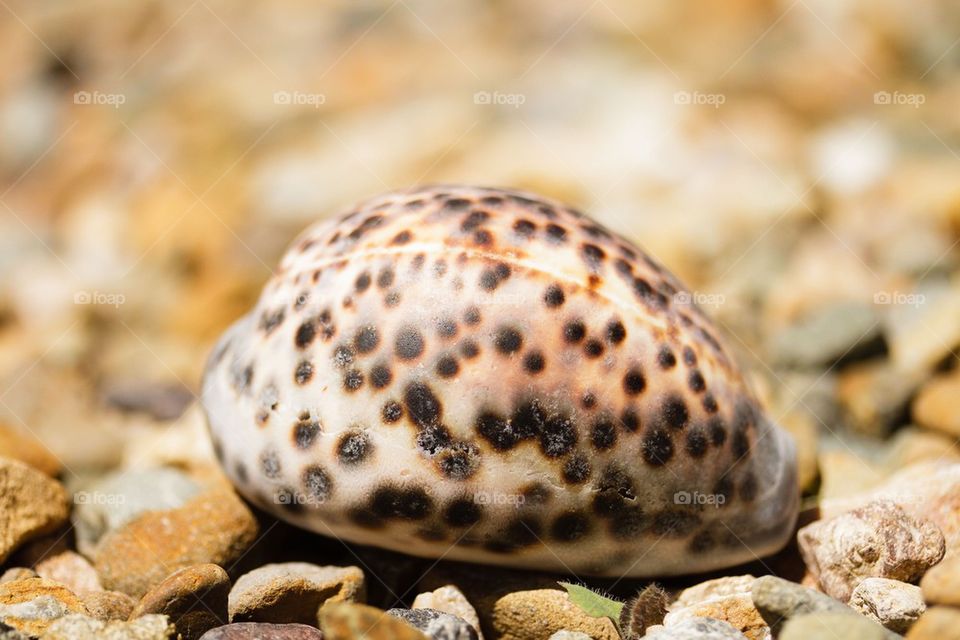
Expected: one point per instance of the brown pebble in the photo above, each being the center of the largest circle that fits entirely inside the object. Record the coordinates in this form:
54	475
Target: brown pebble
108	605
194	598
350	621
31	504
71	570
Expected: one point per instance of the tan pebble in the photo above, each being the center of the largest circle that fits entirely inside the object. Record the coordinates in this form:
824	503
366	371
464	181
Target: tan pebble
937	623
736	609
894	604
844	473
293	592
877	540
71	570
72	627
941	584
26	448
31	504
31	604
352	621
804	430
17	573
449	599
935	406
531	615
214	527
193	598
911	445
719	587
108	605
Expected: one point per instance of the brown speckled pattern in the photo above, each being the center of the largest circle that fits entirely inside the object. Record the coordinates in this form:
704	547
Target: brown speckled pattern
491	376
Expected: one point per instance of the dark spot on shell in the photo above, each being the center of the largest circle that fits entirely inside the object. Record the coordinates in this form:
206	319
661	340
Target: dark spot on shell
462	513
576	470
491	277
556	233
497	431
401	238
630	419
385	279
304	433
424	407
367	339
528	420
392	299
702	542
593	348
456	204
710	403
657	447
533	362
316	483
718	435
446	328
628	523
303	372
665	358
447	366
522	532
535	493
474	220
342	356
524	228
696	444
689	356
558	437
270	321
362	283
634	382
353	447
391	411
483	237
380	376
270	464
408	344
472	316
674	412
553	297
507	340
696	381
469	349
459	461
593	255
440	268
389	502
674	523
305	334
723	490
352	380
574	331
492	201
740	444
588	401
570	526
616	332
433	438
604	435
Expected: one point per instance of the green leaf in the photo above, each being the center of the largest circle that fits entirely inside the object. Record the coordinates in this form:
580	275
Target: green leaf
594	604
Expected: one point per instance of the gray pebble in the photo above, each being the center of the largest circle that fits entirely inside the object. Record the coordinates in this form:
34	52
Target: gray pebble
696	629
777	600
263	631
436	624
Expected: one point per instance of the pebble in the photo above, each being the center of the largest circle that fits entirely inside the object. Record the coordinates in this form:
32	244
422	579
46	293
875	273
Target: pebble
215	528
71	570
935	404
727	599
695	629
834	332
31	604
118	498
193	598
22	446
804	429
450	599
263	631
831	625
532	615
436	624
352	621
17	573
565	634
80	627
31	504
894	604
911	445
874	395
292	592
845	473
717	588
777	600
877	540
941	584
108	605
937	623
